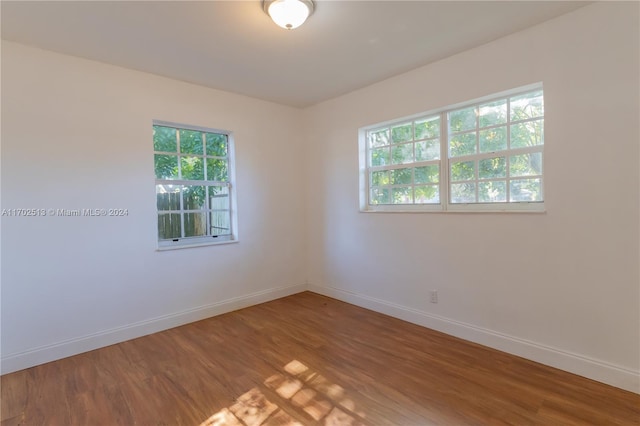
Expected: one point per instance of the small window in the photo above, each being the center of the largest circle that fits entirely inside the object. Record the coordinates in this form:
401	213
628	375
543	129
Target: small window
404	163
485	155
194	192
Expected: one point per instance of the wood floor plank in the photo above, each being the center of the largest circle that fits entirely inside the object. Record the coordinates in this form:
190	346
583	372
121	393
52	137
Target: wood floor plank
305	360
14	395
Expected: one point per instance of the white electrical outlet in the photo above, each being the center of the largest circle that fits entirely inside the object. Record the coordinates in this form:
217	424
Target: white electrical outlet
434	296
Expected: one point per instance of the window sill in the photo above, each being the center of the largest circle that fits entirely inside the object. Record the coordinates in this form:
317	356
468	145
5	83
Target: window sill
178	246
535	208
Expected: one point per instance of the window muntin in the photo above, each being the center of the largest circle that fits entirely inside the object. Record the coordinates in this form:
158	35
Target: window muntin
495	150
404	162
193	187
491	152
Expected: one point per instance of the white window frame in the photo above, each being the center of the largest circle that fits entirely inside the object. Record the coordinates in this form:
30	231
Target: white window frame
445	204
208	240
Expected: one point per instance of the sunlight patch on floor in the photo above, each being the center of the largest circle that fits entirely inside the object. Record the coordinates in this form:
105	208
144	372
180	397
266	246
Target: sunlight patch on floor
299	390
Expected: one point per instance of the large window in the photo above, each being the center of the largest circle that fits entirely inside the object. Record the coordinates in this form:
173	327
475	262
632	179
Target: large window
194	194
479	156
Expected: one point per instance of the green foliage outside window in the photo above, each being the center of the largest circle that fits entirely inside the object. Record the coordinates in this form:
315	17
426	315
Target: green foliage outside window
493	152
198	160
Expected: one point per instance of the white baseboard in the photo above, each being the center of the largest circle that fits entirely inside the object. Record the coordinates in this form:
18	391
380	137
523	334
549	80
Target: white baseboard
600	371
43	354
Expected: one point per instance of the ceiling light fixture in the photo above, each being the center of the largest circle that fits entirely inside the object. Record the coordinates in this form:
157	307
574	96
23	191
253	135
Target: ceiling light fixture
288	14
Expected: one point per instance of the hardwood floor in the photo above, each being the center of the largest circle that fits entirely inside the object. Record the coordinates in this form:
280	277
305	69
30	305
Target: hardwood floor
310	360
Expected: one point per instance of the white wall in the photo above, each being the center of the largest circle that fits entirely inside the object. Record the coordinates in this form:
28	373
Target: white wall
77	134
561	287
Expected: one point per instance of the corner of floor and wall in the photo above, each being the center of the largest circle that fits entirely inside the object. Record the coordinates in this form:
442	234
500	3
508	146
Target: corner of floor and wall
561	287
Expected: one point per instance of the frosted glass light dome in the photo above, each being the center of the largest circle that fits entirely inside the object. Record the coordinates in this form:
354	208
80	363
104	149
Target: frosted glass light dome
289	14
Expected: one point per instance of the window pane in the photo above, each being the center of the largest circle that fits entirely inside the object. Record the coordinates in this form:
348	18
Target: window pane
493	139
166	166
492	192
402	154
379	138
492	168
463	193
525	190
427	174
462	119
190	142
429	128
527	134
380	157
380	178
219	198
464	144
216	144
195	224
402	195
380	196
193	198
217	170
492	113
428	150
164	139
220	223
400	176
192	168
190	209
428	194
169	226
526	164
463	171
526	106
168	197
401	133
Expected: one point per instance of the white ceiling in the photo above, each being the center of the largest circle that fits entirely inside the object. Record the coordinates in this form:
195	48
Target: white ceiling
234	46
